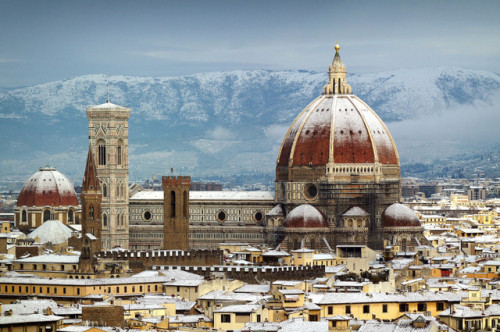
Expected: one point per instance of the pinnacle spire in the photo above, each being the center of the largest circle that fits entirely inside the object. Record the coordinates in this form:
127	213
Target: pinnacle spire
337	83
90	179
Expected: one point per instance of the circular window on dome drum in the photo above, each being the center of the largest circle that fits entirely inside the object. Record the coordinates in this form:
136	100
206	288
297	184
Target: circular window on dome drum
258	216
310	191
147	216
221	216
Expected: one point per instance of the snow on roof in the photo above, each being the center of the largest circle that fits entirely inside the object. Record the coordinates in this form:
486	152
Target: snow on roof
24	307
211	195
276	211
253	289
169	273
275	253
356	211
188	319
25	319
107	105
53	231
299	324
239	308
220	295
334	298
61	259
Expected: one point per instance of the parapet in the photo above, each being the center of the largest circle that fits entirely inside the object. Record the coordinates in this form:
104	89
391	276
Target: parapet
176	181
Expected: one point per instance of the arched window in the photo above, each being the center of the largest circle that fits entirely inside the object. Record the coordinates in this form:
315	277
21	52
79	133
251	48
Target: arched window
172	204
46	215
24	216
70	215
185	201
91	212
101	147
104	190
104	219
119	154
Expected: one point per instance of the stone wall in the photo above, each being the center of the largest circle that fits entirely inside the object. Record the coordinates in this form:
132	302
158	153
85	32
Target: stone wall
143	260
107	315
256	274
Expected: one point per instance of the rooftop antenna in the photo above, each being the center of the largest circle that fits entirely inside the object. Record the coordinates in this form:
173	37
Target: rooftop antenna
107	88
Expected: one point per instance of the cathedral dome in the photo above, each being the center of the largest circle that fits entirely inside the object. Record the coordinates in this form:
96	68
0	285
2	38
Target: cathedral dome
47	187
337	133
305	216
399	215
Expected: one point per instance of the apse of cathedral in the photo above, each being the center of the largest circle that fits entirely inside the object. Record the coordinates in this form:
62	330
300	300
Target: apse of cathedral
337	183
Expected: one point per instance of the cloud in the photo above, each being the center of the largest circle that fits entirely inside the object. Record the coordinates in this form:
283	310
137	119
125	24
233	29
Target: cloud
220	133
463	129
212	146
275	133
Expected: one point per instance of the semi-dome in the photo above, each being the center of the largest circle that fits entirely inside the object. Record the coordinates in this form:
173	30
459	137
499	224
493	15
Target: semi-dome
305	215
399	215
47	187
335	131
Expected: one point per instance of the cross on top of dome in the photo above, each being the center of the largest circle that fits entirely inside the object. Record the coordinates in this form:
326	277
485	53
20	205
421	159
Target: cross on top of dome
337	83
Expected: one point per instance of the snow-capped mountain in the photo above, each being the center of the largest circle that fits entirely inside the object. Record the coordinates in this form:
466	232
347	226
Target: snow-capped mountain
221	123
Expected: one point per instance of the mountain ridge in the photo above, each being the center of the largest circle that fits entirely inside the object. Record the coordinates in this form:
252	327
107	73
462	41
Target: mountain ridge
210	124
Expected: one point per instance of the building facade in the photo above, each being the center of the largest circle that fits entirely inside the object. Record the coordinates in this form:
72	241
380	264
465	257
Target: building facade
108	139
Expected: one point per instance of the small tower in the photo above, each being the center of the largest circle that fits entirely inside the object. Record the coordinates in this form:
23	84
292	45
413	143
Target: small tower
337	83
108	138
176	212
91	198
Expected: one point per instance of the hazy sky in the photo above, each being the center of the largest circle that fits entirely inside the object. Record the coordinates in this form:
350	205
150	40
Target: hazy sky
42	41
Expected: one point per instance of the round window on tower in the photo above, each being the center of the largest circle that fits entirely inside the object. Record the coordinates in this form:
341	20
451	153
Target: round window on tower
310	191
258	216
221	216
147	216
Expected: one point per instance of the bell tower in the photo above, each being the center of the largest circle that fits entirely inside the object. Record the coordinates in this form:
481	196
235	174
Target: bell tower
108	139
91	198
176	212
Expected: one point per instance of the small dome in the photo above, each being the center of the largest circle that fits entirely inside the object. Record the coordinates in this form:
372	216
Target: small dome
355	211
47	187
52	231
399	215
305	215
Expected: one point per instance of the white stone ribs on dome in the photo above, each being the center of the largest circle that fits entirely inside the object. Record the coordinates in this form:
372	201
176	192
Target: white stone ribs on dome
292	132
362	112
332	131
46	180
348	122
308	113
382	137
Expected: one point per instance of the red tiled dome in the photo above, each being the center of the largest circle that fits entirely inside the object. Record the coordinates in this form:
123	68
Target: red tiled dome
337	132
47	187
399	215
337	129
305	215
